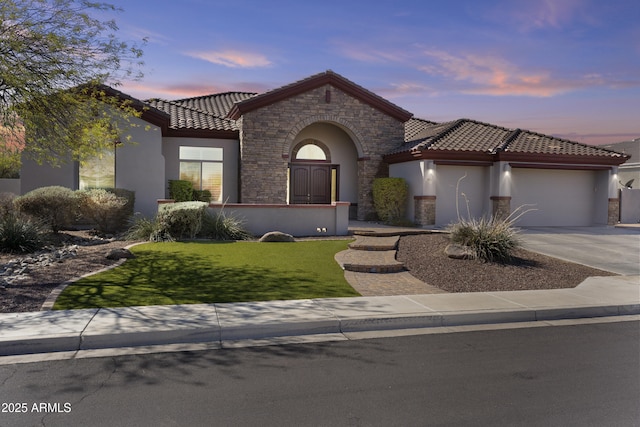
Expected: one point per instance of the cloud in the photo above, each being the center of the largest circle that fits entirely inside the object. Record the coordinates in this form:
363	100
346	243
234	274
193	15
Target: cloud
179	90
492	75
233	58
532	15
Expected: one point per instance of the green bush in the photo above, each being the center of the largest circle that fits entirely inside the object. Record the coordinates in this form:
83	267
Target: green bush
491	239
19	234
180	190
390	198
106	209
55	206
181	219
202	196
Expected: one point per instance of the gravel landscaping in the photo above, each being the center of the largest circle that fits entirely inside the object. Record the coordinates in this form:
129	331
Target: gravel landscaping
425	258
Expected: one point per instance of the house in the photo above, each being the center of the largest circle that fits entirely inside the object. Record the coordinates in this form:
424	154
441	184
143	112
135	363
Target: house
315	146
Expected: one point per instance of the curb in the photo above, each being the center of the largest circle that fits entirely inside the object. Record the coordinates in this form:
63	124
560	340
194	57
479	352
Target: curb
96	328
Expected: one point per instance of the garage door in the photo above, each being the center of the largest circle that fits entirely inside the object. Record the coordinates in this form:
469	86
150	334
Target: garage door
472	196
561	197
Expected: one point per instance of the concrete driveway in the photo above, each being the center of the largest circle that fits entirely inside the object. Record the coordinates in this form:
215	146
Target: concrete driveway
606	248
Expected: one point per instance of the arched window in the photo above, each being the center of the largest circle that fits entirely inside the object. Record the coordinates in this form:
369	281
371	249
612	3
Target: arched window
311	150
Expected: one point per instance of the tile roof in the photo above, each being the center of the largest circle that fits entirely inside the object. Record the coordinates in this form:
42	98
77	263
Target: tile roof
465	135
202	112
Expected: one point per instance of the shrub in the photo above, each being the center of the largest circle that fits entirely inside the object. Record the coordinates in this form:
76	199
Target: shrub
180	190
105	208
389	198
142	228
19	234
55	206
491	239
181	219
219	226
202	196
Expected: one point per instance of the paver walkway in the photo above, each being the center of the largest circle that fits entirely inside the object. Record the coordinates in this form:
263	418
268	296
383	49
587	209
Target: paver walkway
372	269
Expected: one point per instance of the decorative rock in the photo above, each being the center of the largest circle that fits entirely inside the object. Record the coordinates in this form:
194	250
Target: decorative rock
277	236
457	251
120	253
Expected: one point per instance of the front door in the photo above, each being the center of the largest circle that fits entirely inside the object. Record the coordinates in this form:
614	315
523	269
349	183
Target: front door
310	184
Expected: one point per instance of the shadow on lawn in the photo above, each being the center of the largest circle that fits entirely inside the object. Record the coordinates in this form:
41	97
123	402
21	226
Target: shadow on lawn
160	278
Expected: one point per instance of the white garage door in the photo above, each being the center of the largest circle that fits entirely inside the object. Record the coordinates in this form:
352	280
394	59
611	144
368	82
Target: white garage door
561	197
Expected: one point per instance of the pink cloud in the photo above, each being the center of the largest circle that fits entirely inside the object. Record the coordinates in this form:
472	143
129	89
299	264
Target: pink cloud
233	58
179	90
491	75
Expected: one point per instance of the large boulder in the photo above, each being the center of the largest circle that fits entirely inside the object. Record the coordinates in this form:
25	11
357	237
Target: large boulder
115	254
277	236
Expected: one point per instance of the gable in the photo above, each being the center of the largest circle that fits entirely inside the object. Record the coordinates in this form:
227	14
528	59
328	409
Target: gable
314	82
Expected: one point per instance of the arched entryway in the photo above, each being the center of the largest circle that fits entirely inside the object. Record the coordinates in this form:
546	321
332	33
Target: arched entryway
313	178
328	153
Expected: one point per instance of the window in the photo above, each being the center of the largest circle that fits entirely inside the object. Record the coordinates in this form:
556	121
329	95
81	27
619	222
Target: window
99	171
311	150
203	167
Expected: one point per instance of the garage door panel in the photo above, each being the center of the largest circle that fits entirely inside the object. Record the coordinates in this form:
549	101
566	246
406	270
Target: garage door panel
559	197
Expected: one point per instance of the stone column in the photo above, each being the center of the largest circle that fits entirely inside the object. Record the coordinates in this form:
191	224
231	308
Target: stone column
613	213
501	206
425	210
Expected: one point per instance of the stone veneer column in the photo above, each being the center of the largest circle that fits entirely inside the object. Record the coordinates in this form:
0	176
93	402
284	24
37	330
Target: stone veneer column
425	210
501	206
613	213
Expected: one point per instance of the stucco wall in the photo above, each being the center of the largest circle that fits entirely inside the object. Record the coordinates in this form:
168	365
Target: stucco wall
472	193
297	220
171	152
34	175
266	134
140	167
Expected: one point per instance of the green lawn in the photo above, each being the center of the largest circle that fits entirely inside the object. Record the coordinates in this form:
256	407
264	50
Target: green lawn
207	272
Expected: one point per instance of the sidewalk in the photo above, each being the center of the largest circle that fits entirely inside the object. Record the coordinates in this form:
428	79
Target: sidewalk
58	331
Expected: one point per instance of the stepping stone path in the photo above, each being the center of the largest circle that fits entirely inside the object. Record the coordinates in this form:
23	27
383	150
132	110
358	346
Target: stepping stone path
372	269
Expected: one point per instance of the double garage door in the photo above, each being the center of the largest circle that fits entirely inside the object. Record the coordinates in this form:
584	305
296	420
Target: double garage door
559	197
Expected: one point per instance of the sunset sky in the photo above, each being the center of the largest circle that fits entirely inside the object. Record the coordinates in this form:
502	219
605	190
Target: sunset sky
569	68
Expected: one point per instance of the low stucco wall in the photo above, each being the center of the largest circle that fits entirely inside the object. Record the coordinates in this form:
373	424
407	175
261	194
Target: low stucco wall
297	220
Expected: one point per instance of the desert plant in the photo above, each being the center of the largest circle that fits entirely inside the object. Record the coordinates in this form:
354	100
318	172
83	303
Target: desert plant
105	208
389	198
19	234
54	206
492	239
220	226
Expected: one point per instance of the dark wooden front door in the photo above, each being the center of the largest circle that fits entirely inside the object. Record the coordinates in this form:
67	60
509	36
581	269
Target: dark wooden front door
310	184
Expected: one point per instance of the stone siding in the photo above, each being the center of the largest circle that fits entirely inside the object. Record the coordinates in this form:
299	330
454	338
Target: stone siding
424	210
613	213
266	136
501	207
